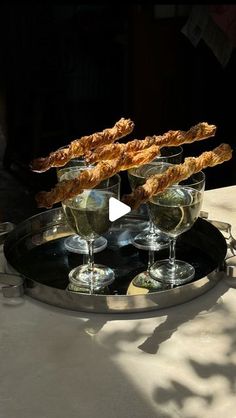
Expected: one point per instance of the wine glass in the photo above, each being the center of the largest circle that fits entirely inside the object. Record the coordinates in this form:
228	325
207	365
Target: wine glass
174	211
151	238
157	240
87	214
75	243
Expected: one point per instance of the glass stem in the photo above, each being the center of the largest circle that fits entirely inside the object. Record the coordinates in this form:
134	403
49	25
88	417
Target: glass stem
172	255
151	227
90	262
85	258
150	259
151	224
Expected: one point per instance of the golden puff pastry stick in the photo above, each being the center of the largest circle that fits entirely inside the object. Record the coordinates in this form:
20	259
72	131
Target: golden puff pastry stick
79	147
171	138
159	182
90	178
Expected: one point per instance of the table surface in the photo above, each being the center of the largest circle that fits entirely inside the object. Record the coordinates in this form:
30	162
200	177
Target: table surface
170	363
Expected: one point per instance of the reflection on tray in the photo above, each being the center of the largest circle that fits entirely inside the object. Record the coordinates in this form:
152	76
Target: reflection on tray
45	264
50	262
124	230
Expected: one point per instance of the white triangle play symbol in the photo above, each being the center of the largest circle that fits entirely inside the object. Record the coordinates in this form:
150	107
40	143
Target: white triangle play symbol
117	209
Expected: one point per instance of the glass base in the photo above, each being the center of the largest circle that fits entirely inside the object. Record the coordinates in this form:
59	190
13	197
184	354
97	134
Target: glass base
81	278
75	244
147	240
163	272
86	290
145	281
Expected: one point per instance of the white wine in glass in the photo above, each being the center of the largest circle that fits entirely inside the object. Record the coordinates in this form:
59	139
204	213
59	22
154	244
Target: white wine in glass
151	238
87	214
174	212
75	243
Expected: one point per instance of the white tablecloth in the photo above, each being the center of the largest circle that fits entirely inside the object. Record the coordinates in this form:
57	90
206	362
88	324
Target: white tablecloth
170	363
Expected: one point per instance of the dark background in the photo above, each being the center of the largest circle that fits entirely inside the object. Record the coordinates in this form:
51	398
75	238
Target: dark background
69	70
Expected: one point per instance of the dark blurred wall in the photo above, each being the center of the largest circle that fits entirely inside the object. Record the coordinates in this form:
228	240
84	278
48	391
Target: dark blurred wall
69	70
176	85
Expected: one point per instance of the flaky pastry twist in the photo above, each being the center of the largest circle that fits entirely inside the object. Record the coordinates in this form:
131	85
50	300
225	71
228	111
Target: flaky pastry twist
90	178
79	147
171	138
159	182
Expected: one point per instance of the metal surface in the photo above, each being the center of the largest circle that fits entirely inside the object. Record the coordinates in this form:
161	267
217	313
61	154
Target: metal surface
5	228
230	267
35	249
12	285
226	230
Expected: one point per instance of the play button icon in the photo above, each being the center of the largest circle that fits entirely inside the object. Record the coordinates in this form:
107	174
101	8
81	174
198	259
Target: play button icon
117	209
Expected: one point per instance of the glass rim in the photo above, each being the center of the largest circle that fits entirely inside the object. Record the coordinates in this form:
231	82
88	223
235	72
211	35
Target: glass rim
151	163
193	183
172	155
74	167
165	163
116	175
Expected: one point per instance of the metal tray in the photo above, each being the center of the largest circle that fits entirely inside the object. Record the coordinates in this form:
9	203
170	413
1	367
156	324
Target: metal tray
35	250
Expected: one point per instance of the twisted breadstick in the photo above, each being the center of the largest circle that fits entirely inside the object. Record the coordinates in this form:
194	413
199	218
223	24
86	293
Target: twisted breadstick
80	146
171	138
92	177
159	182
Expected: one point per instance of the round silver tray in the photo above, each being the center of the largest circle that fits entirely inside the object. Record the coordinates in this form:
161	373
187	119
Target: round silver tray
35	249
